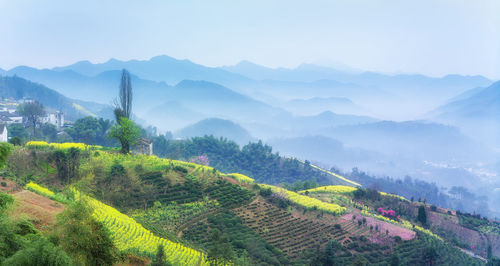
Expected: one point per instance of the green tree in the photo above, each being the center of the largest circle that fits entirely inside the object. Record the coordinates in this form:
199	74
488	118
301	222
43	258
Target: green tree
159	259
85	130
422	215
359	261
60	159
16	141
493	262
126	132
331	247
10	242
17	130
5	150
84	238
49	132
220	251
5	201
430	256
105	125
31	112
489	252
39	252
394	260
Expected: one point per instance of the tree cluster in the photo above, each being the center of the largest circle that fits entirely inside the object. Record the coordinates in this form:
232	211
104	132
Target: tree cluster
256	160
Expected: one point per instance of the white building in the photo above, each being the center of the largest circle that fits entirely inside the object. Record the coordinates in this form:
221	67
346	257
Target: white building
56	119
4	137
7	117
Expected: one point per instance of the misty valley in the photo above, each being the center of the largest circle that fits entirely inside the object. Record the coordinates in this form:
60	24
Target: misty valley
249	133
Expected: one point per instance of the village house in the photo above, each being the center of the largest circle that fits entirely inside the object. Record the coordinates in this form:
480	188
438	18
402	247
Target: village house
10	117
143	146
56	119
4	136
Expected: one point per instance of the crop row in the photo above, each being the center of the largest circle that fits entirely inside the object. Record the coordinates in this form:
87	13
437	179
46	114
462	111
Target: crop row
308	202
127	234
330	189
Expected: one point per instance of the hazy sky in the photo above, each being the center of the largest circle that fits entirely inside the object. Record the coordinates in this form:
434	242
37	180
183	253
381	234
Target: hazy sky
431	37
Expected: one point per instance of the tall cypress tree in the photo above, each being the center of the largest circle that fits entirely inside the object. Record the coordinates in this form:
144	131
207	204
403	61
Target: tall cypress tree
422	215
127	133
123	107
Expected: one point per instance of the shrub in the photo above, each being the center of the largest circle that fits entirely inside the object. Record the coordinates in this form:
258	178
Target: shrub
3	184
40	252
24	227
180	169
265	192
337	226
5	201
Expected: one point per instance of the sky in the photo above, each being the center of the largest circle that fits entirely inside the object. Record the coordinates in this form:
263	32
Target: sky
432	37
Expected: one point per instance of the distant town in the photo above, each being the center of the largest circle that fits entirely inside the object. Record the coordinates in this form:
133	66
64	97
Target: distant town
11	114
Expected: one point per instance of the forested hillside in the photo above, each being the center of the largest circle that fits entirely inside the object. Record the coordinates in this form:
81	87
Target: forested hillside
18	88
255	159
147	210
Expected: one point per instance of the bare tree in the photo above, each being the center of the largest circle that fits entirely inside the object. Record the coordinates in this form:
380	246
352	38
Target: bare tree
31	112
123	107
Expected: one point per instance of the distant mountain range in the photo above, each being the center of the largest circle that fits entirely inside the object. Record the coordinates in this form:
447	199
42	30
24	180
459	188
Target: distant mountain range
375	93
158	68
475	104
476	112
402	96
312	73
418	139
196	100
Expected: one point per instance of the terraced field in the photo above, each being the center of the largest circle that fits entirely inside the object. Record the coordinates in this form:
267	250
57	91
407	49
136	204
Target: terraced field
189	191
294	234
412	253
228	194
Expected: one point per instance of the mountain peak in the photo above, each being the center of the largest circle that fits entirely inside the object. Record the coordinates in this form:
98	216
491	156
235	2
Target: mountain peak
163	58
246	63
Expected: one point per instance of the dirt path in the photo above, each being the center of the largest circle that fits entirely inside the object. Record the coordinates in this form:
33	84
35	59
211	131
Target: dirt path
41	211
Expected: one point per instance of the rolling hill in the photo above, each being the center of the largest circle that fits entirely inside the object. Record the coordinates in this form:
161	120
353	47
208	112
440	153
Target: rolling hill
217	128
190	209
316	105
197	100
101	88
477	113
17	88
477	104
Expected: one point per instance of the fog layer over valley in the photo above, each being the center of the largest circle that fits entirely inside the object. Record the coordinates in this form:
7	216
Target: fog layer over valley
443	130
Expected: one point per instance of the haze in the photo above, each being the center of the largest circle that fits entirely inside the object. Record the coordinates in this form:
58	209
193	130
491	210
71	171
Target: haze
428	37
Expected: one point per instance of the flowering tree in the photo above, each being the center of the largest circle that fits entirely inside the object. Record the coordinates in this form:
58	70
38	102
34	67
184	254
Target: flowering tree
200	159
388	213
